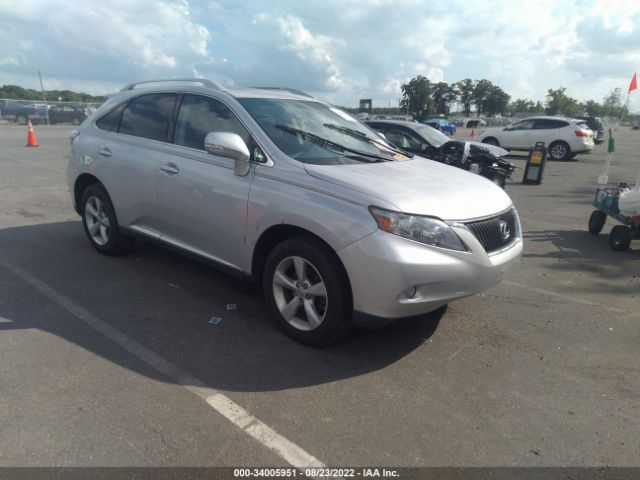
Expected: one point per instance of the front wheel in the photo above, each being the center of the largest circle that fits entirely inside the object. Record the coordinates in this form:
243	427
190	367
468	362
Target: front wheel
559	151
21	120
307	291
100	222
596	221
491	141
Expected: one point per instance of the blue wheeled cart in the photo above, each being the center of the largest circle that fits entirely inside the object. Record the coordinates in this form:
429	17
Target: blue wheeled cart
606	202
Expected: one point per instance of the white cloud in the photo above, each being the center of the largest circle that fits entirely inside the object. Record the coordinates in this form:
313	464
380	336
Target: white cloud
341	50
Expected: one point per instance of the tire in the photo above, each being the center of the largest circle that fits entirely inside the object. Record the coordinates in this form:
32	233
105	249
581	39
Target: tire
100	222
491	141
21	119
76	121
307	291
499	180
596	221
620	237
559	150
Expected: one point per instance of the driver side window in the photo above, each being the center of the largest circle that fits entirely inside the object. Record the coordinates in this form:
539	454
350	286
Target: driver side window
524	125
404	139
200	115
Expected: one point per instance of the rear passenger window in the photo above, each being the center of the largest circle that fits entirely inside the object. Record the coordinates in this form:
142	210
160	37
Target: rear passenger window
200	115
109	122
148	116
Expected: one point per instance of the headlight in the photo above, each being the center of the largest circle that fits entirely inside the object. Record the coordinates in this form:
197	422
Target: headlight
427	230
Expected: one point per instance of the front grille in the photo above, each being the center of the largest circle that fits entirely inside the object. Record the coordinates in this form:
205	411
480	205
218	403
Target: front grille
491	232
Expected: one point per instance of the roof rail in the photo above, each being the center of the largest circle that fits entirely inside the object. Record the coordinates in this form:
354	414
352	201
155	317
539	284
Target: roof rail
203	81
290	90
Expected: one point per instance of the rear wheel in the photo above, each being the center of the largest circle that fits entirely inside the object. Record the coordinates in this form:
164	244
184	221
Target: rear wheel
100	222
21	119
307	291
596	221
620	237
559	151
491	141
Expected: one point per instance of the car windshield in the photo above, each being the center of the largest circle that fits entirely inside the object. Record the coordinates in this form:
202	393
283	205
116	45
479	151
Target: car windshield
313	132
431	135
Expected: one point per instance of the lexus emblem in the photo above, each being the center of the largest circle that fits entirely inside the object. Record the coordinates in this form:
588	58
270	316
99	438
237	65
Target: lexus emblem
505	231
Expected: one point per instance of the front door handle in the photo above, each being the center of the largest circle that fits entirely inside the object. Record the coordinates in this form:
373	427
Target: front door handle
170	168
105	152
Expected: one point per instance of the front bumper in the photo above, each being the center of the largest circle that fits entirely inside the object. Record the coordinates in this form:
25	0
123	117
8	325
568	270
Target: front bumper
384	269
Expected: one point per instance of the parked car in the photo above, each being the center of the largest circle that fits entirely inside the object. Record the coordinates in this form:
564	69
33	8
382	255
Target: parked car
475	123
275	186
564	137
595	124
419	139
441	124
20	112
67	114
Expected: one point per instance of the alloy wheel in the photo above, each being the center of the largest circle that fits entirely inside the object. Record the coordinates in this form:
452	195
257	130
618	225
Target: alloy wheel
97	220
558	151
300	293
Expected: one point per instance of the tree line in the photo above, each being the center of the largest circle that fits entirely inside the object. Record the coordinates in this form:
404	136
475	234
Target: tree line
422	97
15	92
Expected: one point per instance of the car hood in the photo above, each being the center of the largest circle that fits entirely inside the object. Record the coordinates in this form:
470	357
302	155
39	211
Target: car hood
420	186
479	146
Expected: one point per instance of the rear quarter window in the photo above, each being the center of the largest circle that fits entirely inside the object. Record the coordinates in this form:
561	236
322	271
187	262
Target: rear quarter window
148	116
110	121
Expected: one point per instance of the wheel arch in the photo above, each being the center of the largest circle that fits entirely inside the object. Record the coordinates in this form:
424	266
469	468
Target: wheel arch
276	234
80	185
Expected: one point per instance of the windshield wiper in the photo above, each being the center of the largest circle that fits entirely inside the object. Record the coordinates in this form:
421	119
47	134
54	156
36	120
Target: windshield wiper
356	134
325	142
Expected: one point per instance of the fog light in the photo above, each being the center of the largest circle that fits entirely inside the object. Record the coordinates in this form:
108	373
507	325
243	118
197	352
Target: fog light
410	292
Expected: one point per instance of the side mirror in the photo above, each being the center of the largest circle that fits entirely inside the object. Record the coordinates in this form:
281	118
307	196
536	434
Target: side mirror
229	145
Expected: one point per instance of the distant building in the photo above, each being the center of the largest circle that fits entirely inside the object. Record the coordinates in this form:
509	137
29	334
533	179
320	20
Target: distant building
366	105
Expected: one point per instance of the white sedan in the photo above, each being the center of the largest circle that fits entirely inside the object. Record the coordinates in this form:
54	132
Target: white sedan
563	137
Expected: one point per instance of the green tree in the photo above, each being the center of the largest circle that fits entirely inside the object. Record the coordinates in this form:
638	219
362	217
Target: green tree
537	108
481	91
521	105
465	94
416	97
443	95
496	101
612	104
18	93
560	102
593	108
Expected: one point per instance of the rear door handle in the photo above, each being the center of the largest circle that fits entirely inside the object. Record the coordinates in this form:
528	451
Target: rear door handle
170	168
105	152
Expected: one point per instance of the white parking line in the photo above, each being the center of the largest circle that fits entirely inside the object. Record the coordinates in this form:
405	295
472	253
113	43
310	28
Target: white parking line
287	450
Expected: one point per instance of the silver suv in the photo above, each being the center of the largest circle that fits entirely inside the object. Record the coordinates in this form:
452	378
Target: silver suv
339	226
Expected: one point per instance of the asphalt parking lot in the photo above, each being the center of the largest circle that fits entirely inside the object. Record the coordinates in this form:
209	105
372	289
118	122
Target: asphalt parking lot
112	362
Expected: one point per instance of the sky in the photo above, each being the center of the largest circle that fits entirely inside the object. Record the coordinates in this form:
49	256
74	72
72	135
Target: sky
338	50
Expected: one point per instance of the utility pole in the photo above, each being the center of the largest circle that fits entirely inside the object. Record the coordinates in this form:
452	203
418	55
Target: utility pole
44	97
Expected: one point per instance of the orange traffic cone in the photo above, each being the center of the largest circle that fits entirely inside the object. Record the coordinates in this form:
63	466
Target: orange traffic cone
473	132
31	136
